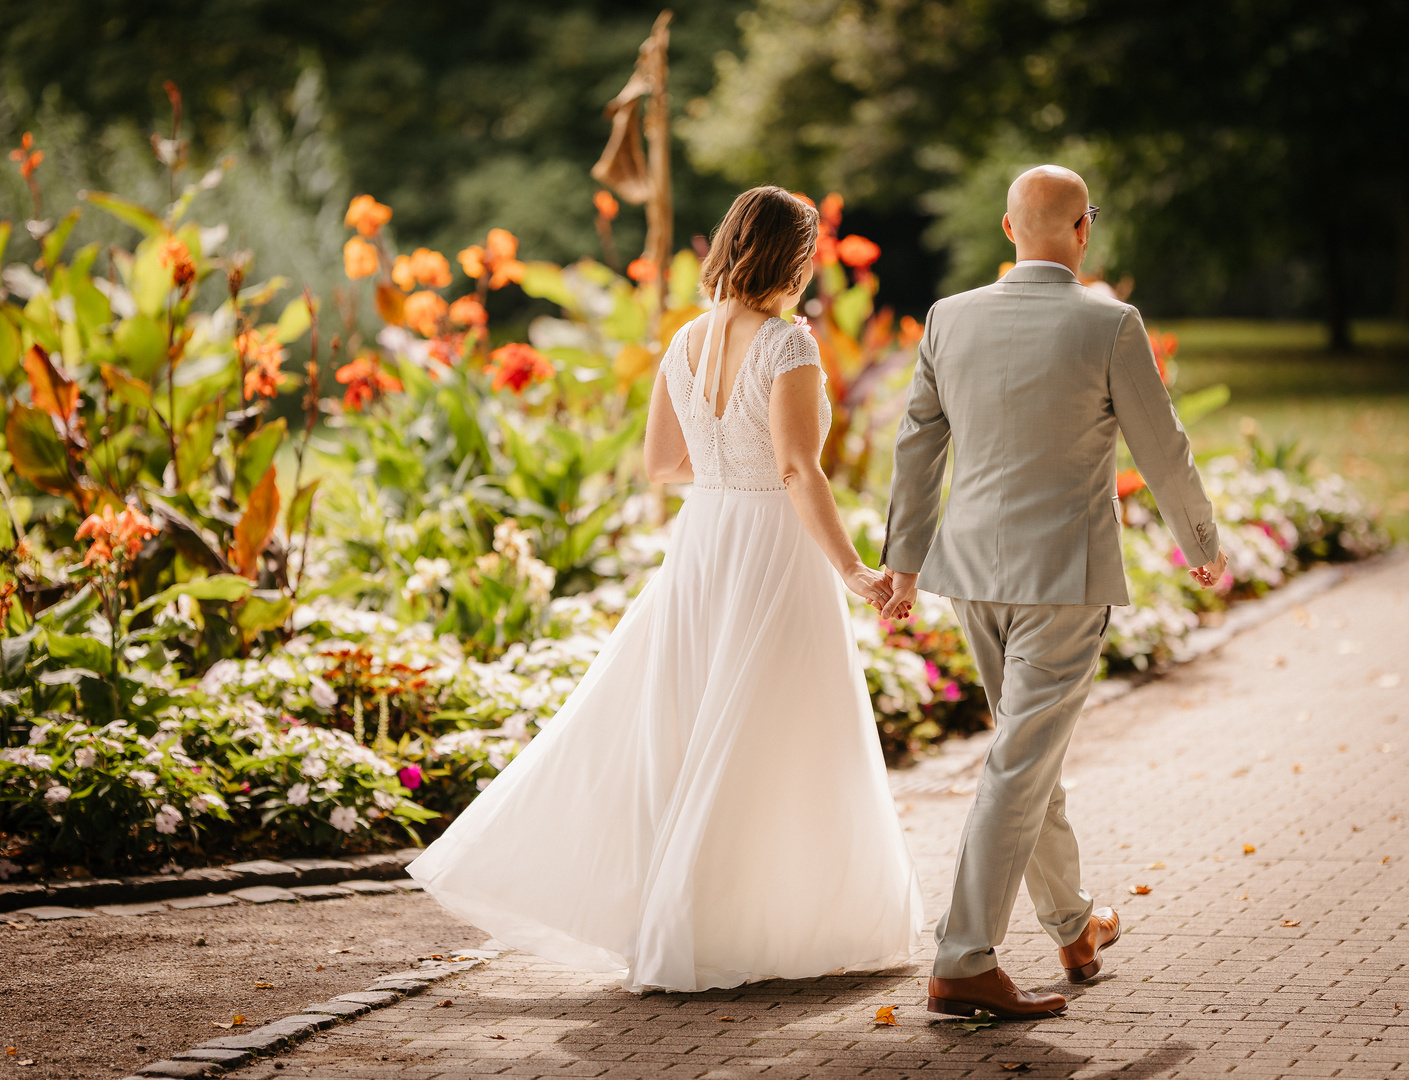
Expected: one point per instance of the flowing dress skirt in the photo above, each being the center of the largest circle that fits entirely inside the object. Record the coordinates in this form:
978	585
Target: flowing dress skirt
710	806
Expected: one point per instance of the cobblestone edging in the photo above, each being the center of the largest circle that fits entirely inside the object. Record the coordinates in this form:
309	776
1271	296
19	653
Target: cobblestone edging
281	874
231	1051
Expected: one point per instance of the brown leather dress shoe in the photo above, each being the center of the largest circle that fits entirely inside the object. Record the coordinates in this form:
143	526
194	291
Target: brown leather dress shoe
994	992
1082	958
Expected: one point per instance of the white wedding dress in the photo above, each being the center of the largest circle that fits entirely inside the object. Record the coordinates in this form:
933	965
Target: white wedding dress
710	806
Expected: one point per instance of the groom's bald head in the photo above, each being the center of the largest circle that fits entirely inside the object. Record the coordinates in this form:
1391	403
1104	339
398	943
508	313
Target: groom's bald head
1044	218
1046	202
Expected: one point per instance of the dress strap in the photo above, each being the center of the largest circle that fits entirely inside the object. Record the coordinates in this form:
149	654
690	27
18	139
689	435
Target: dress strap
702	400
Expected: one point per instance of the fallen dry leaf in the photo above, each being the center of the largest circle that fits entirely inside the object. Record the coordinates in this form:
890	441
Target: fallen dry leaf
334	952
1384	860
1343	748
1241	772
1248	849
726	1019
237	1019
1154	866
1015	1066
263	986
443	1003
1296	768
318	968
26	1061
494	1036
1140	890
1291	922
886	1015
981	1019
12	1050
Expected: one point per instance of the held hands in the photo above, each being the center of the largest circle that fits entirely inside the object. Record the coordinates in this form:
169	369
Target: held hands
873	586
902	595
1210	575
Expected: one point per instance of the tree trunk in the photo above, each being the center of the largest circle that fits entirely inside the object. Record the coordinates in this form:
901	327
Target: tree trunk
1337	293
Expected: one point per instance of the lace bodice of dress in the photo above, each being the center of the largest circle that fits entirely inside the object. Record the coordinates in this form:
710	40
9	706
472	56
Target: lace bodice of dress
735	451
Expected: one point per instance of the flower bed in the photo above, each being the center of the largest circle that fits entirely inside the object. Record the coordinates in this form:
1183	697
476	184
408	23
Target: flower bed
205	657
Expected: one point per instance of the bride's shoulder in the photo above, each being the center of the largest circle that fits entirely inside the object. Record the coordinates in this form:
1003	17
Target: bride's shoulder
791	346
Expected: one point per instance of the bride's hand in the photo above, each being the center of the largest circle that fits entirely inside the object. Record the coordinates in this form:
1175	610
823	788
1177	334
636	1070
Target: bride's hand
871	585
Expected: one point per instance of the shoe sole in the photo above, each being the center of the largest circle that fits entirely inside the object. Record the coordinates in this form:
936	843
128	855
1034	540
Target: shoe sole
1088	971
963	1008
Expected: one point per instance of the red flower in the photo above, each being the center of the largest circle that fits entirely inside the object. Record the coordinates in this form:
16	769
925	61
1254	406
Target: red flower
29	158
517	365
263	376
911	331
175	254
831	211
1164	346
363	378
827	249
858	252
111	533
641	271
1128	482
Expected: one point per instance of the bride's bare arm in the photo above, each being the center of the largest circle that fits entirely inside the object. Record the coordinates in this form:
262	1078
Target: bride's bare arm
667	456
795	427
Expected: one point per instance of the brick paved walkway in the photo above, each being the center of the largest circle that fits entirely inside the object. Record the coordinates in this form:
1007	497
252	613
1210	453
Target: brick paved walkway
1287	960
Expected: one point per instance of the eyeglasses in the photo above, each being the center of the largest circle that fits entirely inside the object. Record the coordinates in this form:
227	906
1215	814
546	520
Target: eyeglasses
1091	212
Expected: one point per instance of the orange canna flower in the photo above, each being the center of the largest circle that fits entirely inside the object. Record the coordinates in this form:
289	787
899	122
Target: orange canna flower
27	141
262	377
606	205
431	268
911	331
506	271
467	311
858	252
364	378
122	533
359	258
98	552
517	366
501	244
798	195
831	211
31	163
1128	481
403	274
471	261
826	249
1164	346
27	156
641	271
424	312
175	254
366	215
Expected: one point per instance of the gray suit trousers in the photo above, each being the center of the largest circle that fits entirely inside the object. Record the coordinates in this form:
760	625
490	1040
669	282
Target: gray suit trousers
1037	662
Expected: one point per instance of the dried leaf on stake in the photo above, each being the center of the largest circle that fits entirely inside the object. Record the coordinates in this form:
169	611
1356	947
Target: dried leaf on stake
886	1015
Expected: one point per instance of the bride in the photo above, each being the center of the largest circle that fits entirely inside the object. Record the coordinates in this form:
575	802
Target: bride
710	805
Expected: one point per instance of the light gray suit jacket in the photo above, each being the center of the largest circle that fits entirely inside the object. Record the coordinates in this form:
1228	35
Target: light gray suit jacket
1031	377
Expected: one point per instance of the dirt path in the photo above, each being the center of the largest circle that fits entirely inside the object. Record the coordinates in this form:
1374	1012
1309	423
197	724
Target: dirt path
103	996
1262	796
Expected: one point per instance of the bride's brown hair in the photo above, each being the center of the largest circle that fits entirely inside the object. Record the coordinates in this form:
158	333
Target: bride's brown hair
761	248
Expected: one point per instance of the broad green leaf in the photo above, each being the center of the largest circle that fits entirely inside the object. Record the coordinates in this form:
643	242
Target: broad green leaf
256	526
125	389
125	210
685	278
141	342
256	454
39	320
226	587
151	281
39	454
545	281
852	308
193	448
1194	407
627	322
91	308
5	228
294	321
299	508
67	676
11	346
55	241
604	452
75	606
15	652
78	650
263	609
81	265
196	394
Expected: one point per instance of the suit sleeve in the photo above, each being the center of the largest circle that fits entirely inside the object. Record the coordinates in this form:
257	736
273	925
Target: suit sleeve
1158	442
921	446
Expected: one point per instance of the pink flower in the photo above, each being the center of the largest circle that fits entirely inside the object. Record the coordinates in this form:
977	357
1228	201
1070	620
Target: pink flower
951	692
931	673
410	777
1177	558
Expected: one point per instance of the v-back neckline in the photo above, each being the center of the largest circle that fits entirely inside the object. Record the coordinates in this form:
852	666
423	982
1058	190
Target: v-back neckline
748	352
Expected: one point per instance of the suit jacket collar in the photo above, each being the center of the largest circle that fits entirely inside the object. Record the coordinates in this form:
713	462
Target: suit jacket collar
1043	274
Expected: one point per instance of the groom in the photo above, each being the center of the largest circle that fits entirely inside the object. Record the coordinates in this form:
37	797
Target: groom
1031	378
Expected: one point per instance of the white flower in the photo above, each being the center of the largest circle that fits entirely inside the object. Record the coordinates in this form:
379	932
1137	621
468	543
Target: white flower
330	785
324	696
6	869
168	817
298	795
385	799
143	777
343	818
313	767
23	755
220	673
57	794
280	669
37	733
201	803
373	813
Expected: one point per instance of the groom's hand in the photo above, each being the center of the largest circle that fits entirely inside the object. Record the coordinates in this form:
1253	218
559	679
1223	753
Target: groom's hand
902	595
1211	574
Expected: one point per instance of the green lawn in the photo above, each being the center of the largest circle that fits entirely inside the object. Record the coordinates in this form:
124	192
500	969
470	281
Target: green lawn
1352	410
